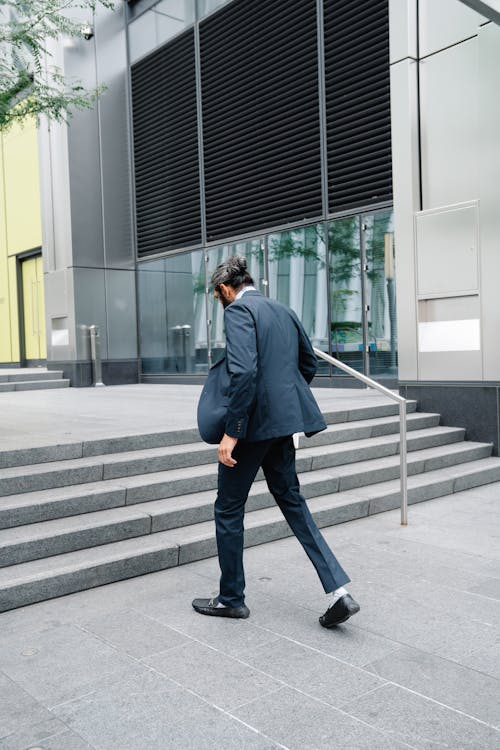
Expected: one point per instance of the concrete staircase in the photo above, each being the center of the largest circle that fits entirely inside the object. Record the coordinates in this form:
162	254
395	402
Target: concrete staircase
79	515
31	379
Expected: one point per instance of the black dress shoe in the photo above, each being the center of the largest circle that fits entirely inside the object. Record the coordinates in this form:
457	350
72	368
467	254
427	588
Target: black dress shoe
343	608
209	607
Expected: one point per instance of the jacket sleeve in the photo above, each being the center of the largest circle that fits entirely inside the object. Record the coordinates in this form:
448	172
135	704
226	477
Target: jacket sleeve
241	356
308	363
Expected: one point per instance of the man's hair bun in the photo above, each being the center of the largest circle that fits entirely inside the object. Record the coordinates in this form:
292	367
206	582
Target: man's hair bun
232	271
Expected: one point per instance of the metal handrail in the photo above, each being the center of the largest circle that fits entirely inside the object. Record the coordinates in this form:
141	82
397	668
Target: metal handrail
403	476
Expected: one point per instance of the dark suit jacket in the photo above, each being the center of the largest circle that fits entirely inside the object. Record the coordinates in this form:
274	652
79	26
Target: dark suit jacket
270	362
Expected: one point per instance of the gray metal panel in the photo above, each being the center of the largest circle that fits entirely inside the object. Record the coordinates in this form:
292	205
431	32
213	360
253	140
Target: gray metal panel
402	29
489	215
121	314
447	251
142	35
115	154
450	366
489	9
84	162
58	287
45	172
90	307
449	117
405	156
445	22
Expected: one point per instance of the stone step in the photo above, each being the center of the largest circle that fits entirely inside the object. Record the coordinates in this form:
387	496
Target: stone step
29	542
368	428
35	507
83	470
120	444
50	538
29	582
33	385
29	374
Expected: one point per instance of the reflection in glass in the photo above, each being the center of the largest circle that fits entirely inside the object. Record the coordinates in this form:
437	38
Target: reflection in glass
346	322
297	277
172	315
252	250
381	293
158	24
208	6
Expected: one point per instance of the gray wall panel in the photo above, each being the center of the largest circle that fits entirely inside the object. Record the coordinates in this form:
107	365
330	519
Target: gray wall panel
84	163
115	155
121	314
90	305
489	170
451	366
405	155
445	22
402	29
449	122
59	304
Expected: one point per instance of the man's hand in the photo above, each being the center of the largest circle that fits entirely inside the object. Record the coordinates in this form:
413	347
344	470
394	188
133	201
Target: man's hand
225	449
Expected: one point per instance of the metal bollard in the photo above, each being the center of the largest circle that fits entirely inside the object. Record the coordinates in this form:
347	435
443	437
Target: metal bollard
95	349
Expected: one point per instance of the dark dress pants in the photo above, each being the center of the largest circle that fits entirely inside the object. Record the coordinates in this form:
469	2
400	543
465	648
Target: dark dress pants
277	458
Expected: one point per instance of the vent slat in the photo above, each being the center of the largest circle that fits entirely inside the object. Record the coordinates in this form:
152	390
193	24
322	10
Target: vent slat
260	115
166	148
357	103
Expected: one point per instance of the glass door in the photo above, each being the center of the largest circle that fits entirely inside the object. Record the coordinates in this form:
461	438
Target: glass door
346	291
362	292
380	294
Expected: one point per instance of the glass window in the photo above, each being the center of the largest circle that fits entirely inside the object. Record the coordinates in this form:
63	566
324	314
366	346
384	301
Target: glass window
159	24
298	278
252	250
346	317
205	7
172	314
380	293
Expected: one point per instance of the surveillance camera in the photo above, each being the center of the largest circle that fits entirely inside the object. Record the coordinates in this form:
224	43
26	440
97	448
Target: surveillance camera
87	31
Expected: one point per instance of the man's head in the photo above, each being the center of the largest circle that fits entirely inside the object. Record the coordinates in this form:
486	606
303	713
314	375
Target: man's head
229	277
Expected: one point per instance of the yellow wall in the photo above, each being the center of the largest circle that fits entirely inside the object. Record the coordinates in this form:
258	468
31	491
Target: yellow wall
20	223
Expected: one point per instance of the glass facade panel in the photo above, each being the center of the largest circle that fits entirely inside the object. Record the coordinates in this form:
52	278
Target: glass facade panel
253	252
180	322
346	301
298	278
380	293
205	7
158	24
172	314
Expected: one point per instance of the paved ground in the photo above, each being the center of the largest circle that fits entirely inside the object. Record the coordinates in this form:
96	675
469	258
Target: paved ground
131	666
34	418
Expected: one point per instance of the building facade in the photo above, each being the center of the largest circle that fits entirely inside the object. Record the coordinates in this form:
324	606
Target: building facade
264	128
22	313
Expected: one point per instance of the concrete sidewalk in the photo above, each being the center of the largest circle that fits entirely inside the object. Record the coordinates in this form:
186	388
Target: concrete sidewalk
130	666
36	418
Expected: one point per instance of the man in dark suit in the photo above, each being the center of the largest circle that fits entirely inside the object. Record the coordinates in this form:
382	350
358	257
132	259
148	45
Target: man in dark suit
270	363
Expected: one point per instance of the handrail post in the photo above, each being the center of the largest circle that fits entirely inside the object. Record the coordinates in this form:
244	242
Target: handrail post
369	382
403	472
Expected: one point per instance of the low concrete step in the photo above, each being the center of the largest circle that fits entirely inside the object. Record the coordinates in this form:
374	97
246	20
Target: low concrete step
33	385
29	582
368	428
49	538
24	375
52	537
126	443
77	471
34	507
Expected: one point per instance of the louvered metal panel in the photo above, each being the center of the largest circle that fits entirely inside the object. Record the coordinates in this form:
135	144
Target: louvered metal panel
166	148
260	115
357	103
